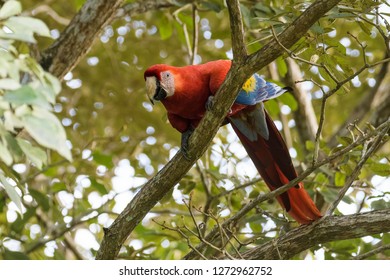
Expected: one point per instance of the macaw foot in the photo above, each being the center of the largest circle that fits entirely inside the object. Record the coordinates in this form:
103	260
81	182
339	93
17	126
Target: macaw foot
185	137
210	103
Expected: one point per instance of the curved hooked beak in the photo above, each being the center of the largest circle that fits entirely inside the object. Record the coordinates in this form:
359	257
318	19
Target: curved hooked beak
154	90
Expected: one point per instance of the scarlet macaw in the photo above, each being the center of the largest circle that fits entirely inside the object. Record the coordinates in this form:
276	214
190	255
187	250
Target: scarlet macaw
187	91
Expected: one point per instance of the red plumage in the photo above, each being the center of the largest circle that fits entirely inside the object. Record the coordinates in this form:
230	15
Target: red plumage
188	90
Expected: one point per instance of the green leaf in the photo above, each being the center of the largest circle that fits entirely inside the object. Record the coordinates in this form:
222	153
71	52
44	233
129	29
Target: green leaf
289	100
40	198
103	159
98	186
9	84
20	223
28	24
14	255
380	204
345	141
35	154
212	5
13	146
330	195
339	179
58	186
47	130
281	66
381	169
309	145
246	16
10	8
165	27
5	154
272	106
11	192
364	27
26	95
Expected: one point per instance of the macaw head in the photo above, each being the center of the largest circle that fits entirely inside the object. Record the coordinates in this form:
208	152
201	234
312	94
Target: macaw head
160	82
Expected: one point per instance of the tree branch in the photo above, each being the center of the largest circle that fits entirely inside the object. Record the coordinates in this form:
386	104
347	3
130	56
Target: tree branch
307	122
326	230
377	250
171	174
140	7
77	38
237	28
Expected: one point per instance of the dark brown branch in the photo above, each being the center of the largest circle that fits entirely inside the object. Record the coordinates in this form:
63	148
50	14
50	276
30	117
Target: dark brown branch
237	28
326	230
77	38
140	7
171	174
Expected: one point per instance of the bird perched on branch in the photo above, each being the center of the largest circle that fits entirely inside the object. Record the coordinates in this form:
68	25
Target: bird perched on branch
187	91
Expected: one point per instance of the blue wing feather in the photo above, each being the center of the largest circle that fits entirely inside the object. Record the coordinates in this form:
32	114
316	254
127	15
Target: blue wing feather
256	90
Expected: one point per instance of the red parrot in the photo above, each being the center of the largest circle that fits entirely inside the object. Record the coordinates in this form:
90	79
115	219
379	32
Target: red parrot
186	92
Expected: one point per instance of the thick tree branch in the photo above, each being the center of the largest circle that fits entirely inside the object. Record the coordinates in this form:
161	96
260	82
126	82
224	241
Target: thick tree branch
237	28
326	230
77	38
140	7
170	175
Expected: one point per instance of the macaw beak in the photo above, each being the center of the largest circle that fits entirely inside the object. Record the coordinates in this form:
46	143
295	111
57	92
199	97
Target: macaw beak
160	92
154	90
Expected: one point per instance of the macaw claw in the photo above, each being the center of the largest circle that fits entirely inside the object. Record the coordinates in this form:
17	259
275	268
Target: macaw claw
185	137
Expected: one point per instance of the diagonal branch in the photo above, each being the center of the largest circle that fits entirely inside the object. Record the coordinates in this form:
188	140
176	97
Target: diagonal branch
77	38
326	230
237	28
175	169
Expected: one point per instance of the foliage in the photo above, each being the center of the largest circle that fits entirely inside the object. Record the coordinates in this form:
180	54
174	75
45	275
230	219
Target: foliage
119	140
27	95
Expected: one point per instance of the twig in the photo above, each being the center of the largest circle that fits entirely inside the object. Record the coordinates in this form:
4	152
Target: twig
195	33
185	30
375	251
185	236
320	127
51	12
355	173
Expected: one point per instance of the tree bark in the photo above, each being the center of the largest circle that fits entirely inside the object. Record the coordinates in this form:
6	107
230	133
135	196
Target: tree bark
325	230
77	38
305	117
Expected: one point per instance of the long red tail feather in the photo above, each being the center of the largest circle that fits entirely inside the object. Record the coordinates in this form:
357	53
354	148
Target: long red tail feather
273	161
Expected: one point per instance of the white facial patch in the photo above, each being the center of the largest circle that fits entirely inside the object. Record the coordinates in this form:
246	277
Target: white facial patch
151	86
168	82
